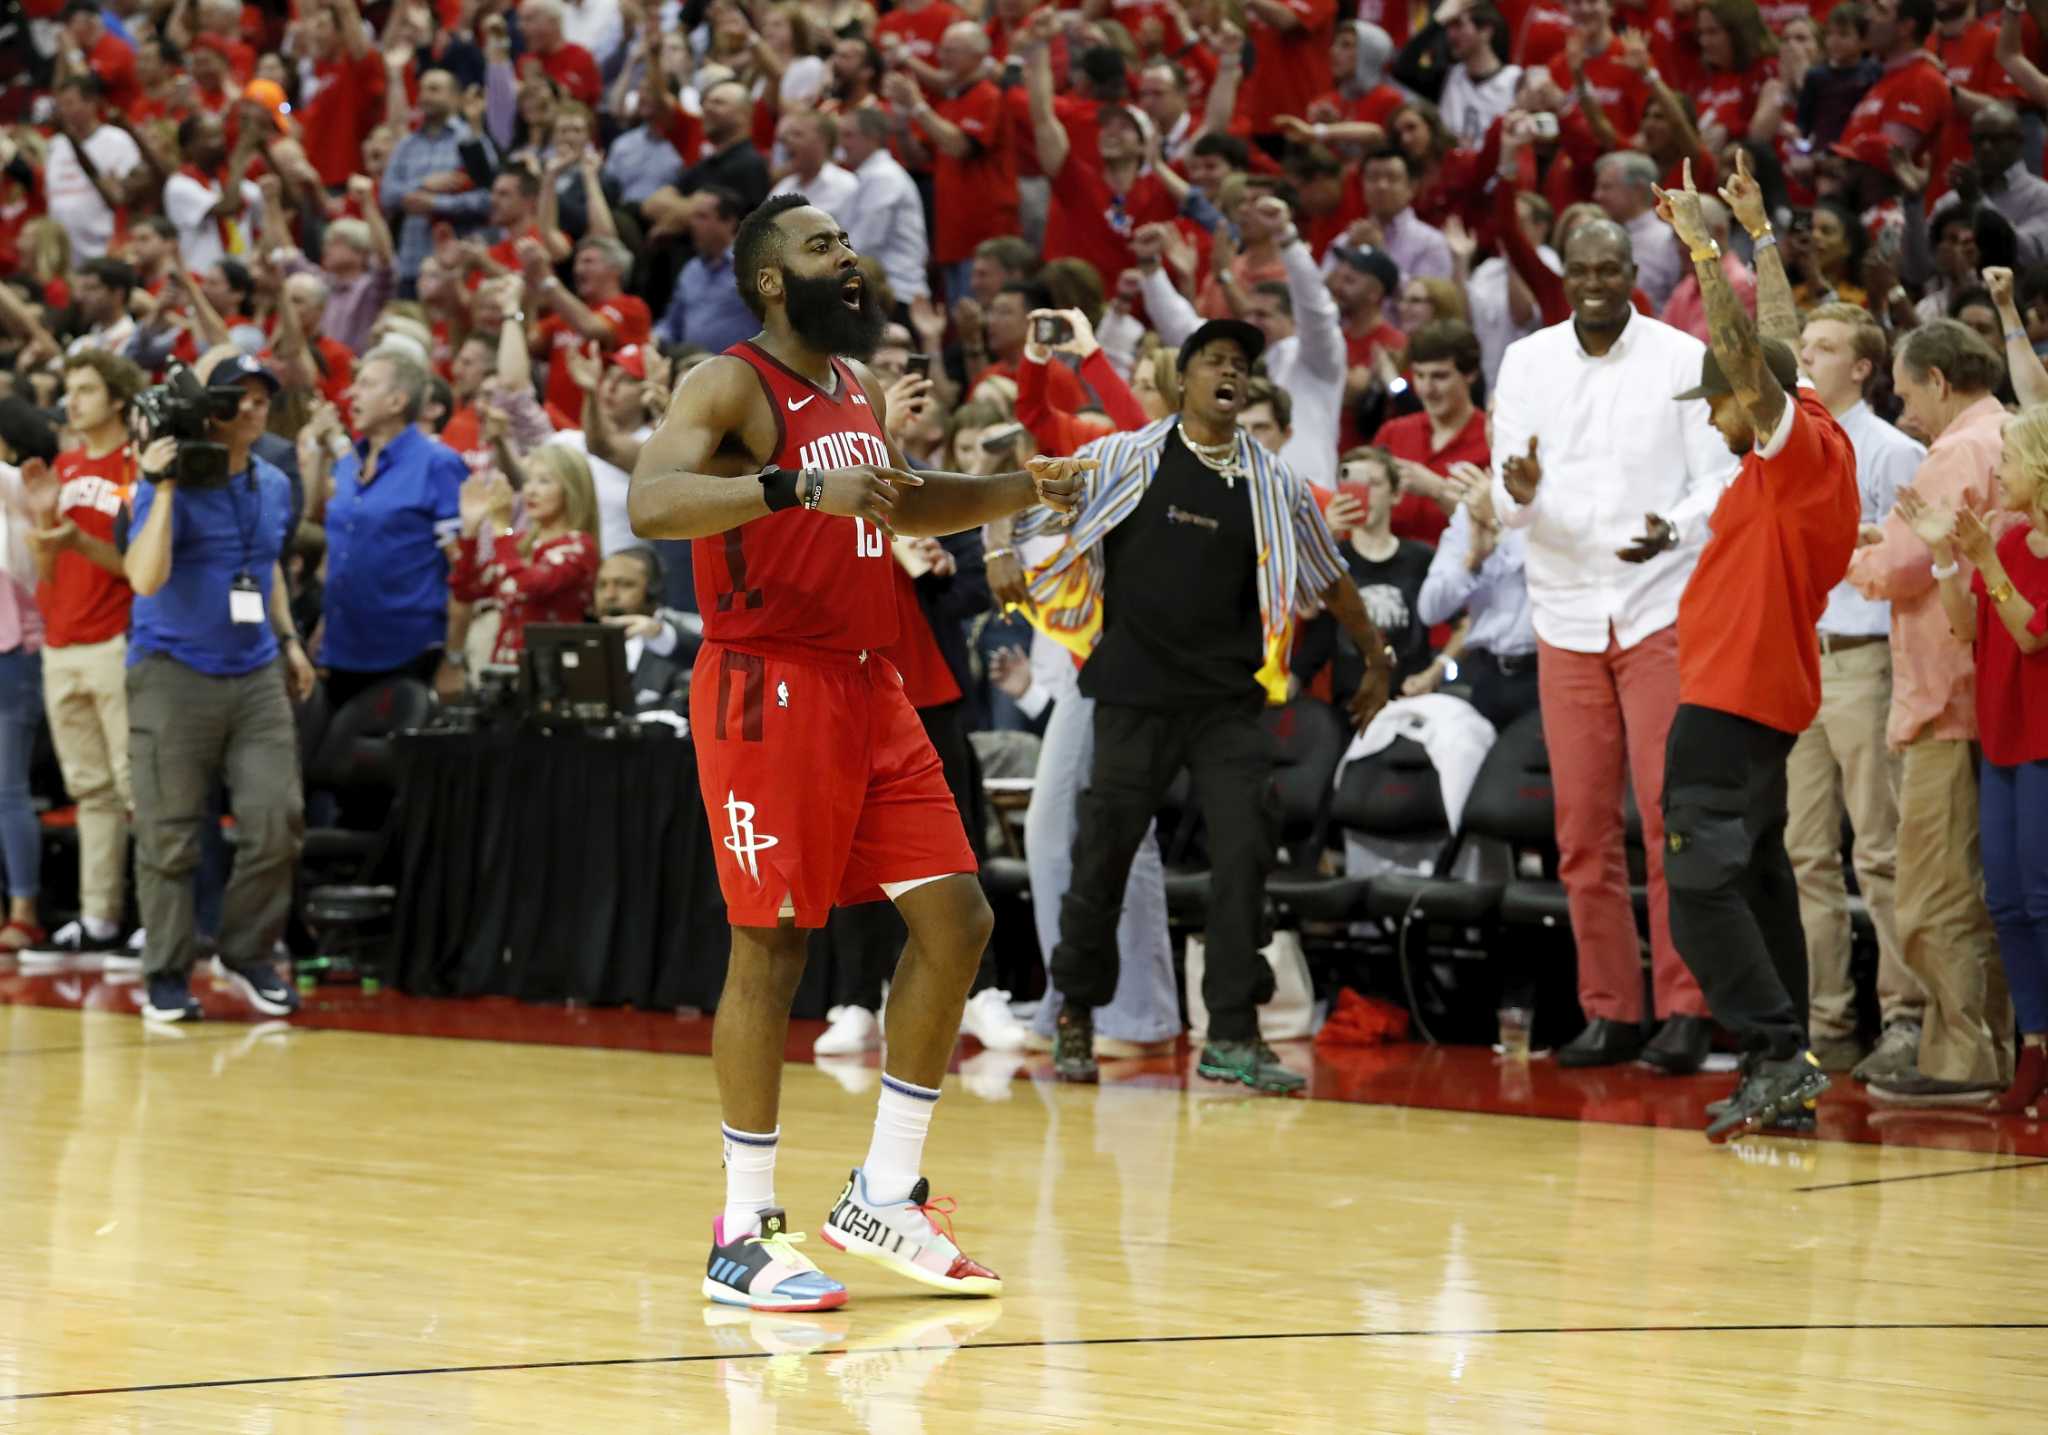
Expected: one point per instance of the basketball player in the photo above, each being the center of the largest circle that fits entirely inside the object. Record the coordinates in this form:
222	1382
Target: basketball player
820	784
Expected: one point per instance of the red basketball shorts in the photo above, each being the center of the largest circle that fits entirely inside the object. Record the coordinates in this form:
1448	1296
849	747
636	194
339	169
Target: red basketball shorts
819	783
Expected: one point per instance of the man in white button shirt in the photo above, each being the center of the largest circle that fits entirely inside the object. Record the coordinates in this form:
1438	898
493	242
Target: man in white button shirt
809	138
888	223
1305	349
1590	452
1843	761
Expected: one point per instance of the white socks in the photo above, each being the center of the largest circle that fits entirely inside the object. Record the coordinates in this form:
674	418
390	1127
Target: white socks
98	929
902	1117
749	1179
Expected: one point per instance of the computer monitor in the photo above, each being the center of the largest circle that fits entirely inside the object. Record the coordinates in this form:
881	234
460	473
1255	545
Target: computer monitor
576	672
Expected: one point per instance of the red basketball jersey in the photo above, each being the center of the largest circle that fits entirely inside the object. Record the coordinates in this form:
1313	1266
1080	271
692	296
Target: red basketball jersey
797	577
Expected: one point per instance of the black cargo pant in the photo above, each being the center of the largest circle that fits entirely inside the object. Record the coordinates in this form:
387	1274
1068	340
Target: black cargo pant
1138	752
1734	900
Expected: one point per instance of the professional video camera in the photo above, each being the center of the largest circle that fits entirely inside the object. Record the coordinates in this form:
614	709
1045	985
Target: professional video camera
184	409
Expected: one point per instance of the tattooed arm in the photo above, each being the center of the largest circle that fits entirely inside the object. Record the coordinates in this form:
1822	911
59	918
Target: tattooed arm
1777	316
1729	330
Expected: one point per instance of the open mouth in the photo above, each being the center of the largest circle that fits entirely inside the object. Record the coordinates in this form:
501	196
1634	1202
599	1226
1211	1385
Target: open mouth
850	291
1227	394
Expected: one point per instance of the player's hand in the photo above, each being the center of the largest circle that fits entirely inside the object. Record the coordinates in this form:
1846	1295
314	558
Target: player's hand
1059	480
867	491
1522	474
1008	582
1657	536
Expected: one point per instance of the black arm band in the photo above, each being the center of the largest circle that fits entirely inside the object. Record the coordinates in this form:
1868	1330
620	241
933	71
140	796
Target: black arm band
778	489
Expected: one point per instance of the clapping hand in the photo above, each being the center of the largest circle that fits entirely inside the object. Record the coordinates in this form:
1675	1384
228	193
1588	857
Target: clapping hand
1657	535
1933	523
1973	539
586	366
473	502
43	490
1522	475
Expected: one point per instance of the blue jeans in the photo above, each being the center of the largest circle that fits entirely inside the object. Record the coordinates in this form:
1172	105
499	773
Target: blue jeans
2012	817
1147	1003
21	713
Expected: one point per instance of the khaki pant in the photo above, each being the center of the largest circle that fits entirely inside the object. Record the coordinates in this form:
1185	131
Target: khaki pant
1946	934
1840	762
85	691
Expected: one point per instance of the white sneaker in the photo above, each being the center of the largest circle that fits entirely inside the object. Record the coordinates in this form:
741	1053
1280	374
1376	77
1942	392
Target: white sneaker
853	1030
988	1020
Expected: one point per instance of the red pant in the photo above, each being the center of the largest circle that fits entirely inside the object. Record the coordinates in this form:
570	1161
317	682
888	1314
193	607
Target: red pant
1606	716
819	782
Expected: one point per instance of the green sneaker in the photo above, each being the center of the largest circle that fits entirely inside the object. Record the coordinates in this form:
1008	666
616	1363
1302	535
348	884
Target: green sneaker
1251	1062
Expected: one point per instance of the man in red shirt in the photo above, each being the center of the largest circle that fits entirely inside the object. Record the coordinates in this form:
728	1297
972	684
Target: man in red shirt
914	32
90	47
599	310
1443	360
974	174
568	64
1910	102
1593	54
346	98
1291	40
1099	200
1749	672
84	597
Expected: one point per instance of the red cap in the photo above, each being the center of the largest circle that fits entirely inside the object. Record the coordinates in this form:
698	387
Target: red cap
631	359
1870	147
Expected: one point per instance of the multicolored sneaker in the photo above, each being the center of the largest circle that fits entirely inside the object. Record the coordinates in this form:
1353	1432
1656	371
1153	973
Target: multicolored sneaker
1252	1063
766	1271
906	1237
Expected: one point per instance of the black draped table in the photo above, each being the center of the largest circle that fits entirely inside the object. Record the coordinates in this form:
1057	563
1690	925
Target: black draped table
568	868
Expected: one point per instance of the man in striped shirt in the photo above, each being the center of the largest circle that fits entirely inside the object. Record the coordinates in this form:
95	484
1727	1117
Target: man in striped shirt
1199	548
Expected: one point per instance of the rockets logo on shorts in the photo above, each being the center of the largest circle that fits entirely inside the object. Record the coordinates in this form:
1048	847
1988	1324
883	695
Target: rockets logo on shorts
743	841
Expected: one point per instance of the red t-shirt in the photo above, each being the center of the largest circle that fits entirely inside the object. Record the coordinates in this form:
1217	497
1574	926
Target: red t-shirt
344	109
1409	436
1375	107
2012	688
1621	91
1539	34
974	197
1915	95
919	32
1970	60
1087	220
631	324
1291	64
572	68
82	602
1783	533
1728	97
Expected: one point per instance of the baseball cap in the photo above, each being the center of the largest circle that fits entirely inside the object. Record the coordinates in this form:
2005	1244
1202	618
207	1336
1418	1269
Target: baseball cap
1777	353
270	95
1871	148
1248	337
1367	260
229	373
631	357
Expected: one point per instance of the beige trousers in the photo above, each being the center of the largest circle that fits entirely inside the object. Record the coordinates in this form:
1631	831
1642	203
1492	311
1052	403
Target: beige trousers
1842	762
1946	934
85	692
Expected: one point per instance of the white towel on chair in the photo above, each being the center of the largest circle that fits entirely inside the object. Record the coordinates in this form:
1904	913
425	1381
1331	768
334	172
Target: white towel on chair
1450	730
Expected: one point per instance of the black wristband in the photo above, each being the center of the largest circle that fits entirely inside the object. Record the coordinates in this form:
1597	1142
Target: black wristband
778	488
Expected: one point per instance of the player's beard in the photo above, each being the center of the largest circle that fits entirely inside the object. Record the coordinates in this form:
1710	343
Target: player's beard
822	320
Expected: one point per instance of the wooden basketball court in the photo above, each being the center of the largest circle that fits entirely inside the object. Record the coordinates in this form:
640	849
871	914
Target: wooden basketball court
240	1228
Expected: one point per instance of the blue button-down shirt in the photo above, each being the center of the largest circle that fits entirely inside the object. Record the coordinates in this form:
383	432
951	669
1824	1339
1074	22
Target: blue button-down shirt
386	600
1497	596
217	534
640	162
707	310
420	154
1885	460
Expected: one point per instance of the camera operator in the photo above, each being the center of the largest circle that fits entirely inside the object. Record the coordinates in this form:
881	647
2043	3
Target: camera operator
210	655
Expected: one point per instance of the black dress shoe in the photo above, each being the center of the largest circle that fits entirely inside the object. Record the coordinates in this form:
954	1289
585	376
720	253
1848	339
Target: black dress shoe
1681	1046
1603	1043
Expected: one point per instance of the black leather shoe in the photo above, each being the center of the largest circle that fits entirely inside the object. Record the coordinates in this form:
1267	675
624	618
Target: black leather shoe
1603	1043
1681	1046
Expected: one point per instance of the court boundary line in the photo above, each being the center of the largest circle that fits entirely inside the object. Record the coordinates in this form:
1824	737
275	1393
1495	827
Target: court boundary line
1921	1176
1077	1342
164	1042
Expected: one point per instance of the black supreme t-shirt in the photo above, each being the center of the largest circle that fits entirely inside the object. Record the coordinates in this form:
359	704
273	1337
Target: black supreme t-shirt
1180	601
